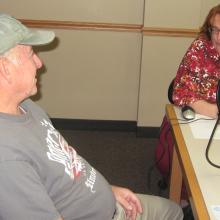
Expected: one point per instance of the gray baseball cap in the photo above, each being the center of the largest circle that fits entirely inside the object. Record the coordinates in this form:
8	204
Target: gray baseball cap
13	32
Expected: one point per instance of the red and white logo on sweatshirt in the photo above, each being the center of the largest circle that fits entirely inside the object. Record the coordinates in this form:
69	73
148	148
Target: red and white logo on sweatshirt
61	152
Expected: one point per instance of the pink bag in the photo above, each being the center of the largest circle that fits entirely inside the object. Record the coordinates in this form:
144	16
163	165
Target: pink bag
164	149
164	152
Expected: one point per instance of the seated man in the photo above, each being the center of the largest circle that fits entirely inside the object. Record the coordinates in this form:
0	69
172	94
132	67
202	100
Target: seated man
41	176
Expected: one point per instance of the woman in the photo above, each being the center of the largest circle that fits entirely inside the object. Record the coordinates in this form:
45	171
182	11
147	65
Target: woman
199	72
195	83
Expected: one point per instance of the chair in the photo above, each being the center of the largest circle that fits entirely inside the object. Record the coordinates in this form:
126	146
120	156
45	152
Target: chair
170	92
218	95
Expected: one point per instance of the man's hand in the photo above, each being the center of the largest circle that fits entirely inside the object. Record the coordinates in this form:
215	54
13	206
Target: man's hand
128	200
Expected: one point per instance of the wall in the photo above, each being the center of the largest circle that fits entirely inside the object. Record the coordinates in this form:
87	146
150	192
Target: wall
93	77
112	60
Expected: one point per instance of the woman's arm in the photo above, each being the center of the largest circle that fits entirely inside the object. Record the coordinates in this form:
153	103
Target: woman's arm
197	78
204	108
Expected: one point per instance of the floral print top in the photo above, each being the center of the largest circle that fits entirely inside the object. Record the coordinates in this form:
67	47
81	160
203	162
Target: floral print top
198	74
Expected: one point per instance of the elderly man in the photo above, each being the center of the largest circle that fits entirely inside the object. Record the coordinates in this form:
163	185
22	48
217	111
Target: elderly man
41	176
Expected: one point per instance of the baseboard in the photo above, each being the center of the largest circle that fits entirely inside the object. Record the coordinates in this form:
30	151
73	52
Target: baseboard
149	132
105	125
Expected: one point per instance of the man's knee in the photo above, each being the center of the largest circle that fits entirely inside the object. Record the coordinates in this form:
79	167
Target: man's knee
155	207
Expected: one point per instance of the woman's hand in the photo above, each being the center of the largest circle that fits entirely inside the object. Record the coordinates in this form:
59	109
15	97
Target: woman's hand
128	200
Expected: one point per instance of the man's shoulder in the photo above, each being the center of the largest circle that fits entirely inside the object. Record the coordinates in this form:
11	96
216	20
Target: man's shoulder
30	105
34	109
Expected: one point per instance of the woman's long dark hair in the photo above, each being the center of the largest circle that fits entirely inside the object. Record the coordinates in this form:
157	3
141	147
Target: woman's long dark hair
206	27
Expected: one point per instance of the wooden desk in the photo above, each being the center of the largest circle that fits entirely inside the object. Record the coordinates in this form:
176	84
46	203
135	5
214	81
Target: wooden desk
190	165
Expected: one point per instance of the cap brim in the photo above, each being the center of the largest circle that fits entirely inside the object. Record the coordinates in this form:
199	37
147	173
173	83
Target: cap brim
38	37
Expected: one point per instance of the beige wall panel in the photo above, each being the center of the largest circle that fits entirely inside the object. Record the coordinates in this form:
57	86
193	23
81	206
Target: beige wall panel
206	6
172	13
92	75
160	60
114	11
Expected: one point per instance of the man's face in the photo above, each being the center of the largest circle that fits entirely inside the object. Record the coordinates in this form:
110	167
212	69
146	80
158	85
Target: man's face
23	64
215	33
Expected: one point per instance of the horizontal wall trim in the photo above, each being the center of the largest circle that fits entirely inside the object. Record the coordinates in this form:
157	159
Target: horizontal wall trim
105	125
68	25
81	25
171	32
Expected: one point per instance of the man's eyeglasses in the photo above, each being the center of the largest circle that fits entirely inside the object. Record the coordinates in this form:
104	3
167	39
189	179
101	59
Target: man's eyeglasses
214	30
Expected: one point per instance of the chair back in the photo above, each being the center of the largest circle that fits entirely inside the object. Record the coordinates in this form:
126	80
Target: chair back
170	92
218	95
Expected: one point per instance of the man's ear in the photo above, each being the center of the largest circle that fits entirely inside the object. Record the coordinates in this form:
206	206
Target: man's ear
4	70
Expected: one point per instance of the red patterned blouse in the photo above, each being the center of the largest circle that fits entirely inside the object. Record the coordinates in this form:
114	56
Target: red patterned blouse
198	73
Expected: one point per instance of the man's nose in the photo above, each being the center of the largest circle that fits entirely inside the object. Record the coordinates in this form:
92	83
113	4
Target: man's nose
37	61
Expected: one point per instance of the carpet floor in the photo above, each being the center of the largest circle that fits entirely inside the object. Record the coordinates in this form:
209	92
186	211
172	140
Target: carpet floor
122	157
